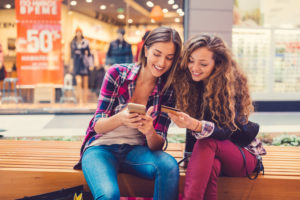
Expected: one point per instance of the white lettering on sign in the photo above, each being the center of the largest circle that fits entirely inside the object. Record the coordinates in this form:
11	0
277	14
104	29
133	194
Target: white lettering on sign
39	41
38	7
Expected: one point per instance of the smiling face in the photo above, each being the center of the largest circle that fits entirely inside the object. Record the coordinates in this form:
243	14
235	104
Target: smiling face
201	64
160	57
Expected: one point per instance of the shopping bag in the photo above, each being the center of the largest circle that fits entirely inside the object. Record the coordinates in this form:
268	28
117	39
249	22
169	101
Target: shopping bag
74	193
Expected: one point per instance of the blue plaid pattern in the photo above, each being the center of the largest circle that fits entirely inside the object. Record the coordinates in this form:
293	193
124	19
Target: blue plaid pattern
206	131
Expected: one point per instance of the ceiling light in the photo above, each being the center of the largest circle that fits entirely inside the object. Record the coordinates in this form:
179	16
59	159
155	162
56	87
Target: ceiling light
73	3
165	10
181	14
130	21
152	21
175	6
102	7
121	16
179	10
177	20
7	6
149	4
171	2
89	1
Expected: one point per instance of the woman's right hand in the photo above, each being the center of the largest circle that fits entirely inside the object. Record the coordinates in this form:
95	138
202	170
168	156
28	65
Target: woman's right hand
131	120
183	120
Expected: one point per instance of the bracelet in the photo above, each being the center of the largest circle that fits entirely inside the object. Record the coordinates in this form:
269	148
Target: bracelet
198	125
195	126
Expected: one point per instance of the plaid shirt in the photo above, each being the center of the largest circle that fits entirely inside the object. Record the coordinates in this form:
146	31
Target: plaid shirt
117	89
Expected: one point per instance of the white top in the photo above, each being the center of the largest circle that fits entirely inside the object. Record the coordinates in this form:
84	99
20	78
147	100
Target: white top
121	135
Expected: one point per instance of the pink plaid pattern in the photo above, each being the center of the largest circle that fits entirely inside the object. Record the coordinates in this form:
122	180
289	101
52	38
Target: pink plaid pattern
256	147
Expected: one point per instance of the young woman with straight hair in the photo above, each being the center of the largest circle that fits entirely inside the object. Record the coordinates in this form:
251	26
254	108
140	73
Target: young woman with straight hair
119	141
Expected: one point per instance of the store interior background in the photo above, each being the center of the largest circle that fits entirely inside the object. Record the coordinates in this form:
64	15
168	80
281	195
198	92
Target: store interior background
99	21
265	41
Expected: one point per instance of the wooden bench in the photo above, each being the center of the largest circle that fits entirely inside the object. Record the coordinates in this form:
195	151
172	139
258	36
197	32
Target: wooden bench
30	168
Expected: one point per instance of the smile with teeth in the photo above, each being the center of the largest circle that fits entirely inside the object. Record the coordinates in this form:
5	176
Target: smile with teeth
196	74
158	68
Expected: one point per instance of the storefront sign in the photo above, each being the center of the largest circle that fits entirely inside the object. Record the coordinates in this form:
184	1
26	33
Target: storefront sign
7	25
39	42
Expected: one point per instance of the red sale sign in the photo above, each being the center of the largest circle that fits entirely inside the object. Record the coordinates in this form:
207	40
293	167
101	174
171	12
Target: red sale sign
38	10
39	42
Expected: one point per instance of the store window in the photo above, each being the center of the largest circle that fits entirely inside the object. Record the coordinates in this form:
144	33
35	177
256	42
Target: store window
37	62
266	42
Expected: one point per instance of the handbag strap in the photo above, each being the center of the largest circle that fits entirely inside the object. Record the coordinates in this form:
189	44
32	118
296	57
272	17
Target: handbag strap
259	166
184	159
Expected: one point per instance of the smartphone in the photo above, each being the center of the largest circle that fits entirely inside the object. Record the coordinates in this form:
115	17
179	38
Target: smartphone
136	108
168	109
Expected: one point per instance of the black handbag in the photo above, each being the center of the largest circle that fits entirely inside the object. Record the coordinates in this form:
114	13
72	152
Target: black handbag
246	134
74	193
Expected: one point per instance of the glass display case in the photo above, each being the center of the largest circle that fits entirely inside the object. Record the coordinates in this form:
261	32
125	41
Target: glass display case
271	60
286	61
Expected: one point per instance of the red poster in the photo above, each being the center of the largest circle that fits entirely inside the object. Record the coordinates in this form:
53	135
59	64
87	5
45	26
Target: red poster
39	42
38	10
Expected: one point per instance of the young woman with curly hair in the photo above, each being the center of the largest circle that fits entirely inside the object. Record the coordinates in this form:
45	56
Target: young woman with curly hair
213	95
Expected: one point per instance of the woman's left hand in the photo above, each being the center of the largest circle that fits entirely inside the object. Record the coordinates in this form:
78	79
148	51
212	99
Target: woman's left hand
146	124
183	120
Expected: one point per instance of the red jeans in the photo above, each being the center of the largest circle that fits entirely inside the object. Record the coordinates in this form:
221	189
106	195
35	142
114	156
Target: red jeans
211	157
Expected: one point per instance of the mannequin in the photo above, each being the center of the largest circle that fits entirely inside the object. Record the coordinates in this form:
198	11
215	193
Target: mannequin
119	50
80	48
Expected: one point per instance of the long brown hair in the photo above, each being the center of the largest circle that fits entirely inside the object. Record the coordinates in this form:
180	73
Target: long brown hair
163	34
225	95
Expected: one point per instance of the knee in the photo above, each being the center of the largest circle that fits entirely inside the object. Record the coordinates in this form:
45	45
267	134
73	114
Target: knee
206	143
168	165
78	81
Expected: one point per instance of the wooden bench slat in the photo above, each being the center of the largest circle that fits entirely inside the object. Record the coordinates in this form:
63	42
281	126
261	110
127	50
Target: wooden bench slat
33	156
39	162
25	166
74	159
47	166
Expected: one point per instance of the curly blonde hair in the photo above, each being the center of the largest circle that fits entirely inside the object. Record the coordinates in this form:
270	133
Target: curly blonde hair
225	95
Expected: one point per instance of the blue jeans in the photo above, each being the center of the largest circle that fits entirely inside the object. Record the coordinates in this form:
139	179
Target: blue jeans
101	164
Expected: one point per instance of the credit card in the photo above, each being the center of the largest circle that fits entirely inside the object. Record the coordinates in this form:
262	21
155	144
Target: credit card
171	110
